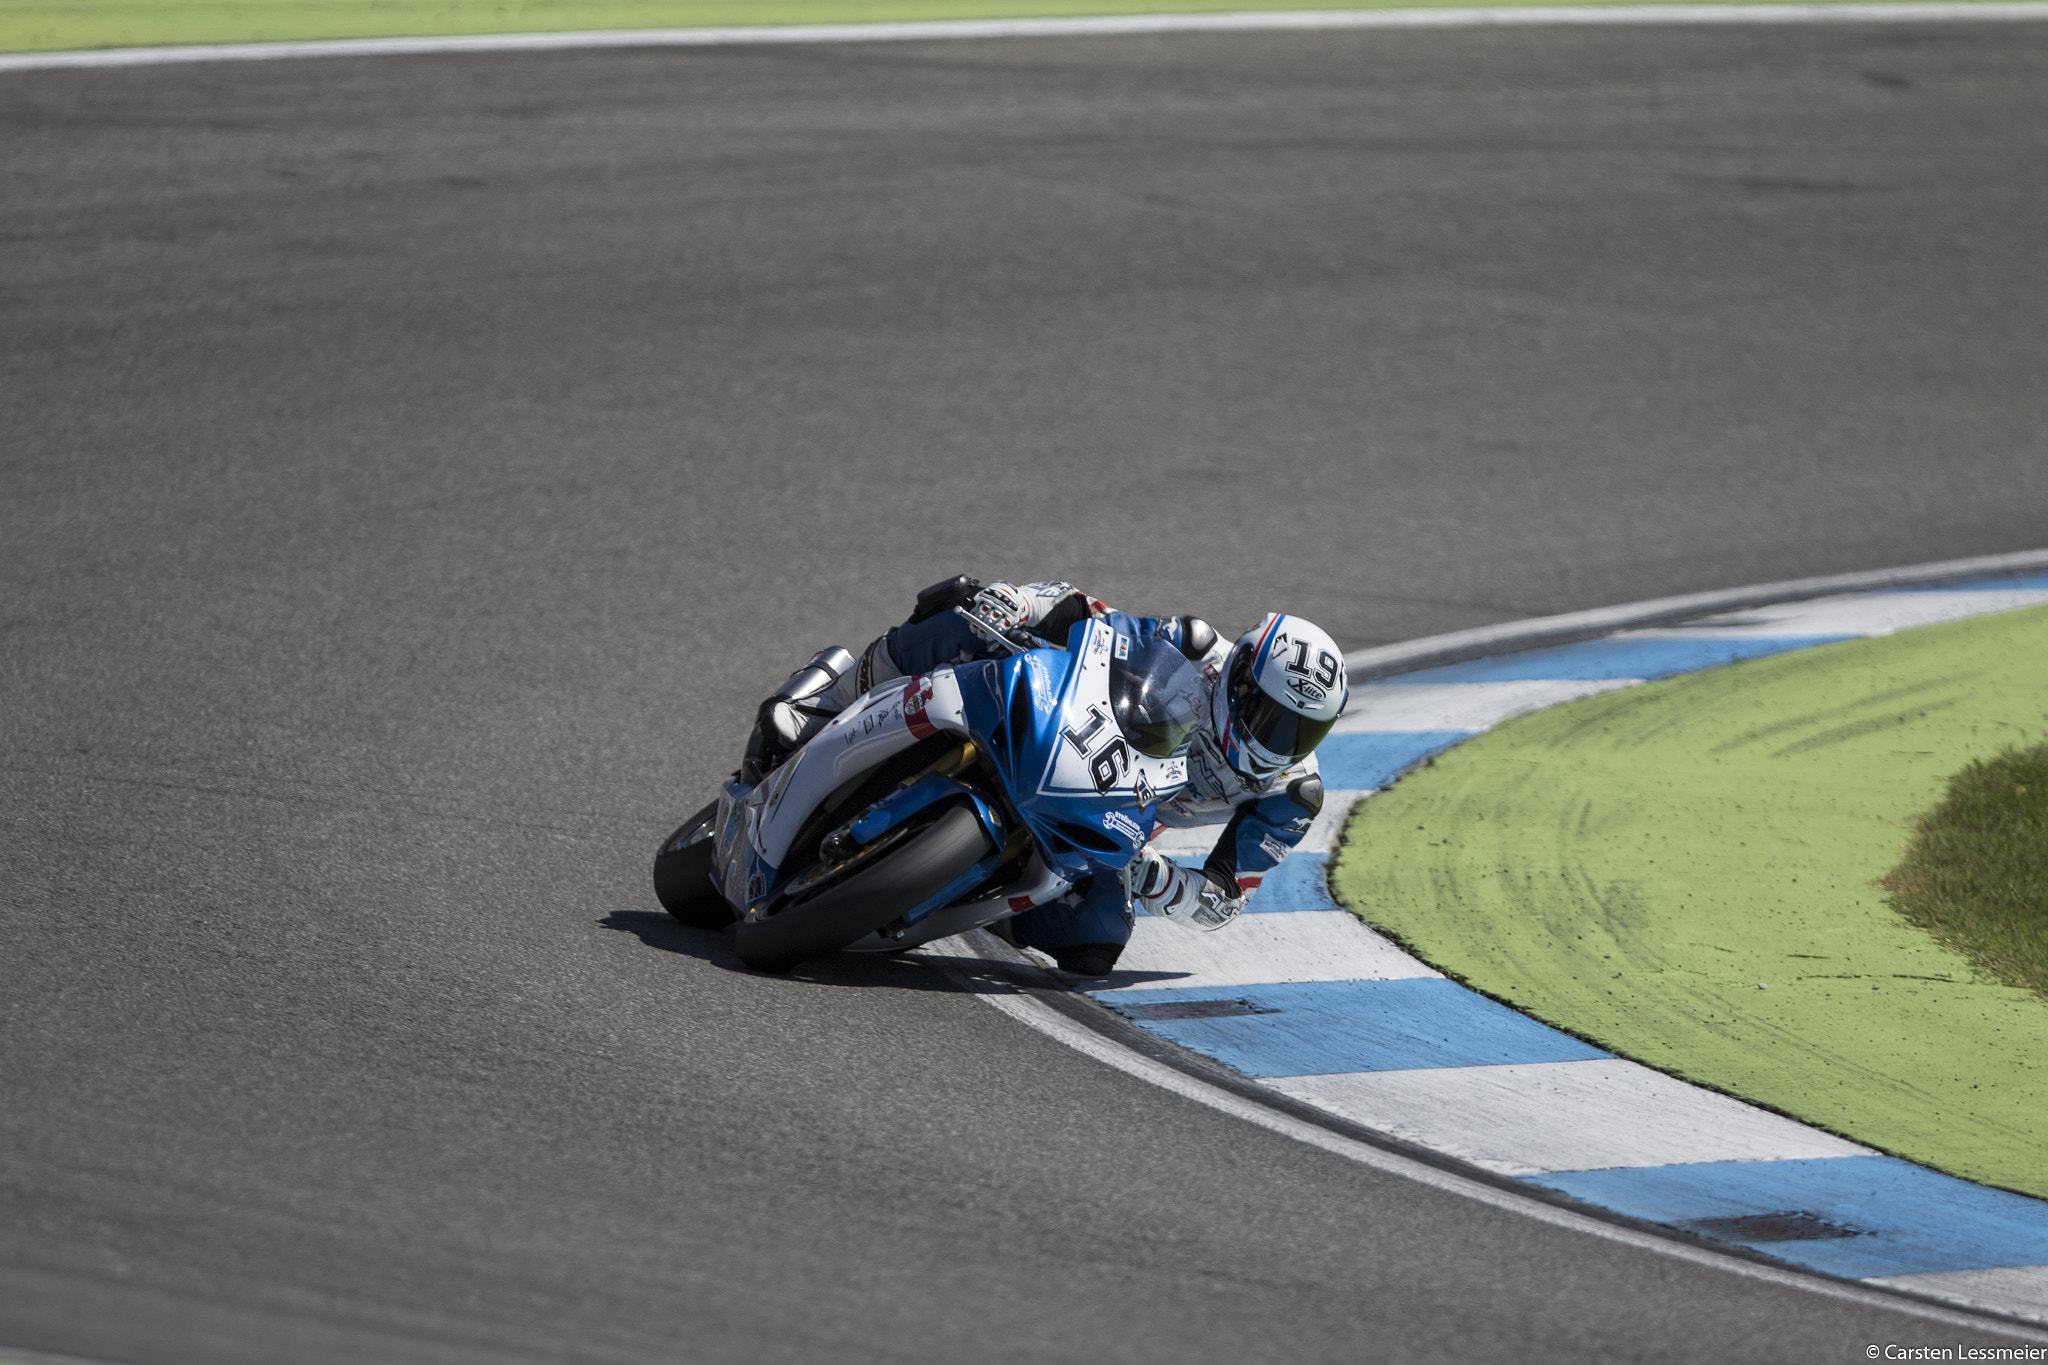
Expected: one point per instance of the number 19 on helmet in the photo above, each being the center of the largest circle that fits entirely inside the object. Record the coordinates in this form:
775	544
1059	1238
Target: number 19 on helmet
1282	689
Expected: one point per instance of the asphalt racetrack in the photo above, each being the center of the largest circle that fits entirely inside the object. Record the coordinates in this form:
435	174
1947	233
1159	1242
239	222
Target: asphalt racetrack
415	470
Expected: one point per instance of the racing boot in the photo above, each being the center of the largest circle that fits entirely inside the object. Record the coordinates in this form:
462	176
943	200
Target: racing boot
797	711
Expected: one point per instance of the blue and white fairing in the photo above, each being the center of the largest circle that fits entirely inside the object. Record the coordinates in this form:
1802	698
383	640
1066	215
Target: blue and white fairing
1047	720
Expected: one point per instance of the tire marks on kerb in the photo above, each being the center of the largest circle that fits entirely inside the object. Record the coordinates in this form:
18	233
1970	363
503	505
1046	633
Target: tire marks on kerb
1114	25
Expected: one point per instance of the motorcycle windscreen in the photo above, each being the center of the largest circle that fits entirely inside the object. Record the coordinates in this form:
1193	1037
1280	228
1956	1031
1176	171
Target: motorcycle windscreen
1157	694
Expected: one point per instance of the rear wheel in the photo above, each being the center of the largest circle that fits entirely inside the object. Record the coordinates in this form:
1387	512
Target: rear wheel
919	869
682	874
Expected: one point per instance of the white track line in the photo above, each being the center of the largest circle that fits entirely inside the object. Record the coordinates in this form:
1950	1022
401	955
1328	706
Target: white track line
1029	1011
1517	635
1997	1289
1860	614
1107	25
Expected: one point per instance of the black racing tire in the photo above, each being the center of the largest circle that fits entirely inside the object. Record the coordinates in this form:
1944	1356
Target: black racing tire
866	901
682	874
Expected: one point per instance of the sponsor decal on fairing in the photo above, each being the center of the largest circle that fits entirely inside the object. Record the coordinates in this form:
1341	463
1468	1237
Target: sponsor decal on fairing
1116	819
916	696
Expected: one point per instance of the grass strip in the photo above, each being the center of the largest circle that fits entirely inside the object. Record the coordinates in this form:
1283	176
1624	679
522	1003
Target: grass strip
64	25
58	25
1976	874
1685	873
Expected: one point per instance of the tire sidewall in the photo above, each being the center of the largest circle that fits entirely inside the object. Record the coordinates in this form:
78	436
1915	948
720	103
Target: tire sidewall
683	880
868	900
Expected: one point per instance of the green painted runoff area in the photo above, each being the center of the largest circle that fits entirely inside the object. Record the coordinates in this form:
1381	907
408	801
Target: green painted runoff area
1682	874
57	25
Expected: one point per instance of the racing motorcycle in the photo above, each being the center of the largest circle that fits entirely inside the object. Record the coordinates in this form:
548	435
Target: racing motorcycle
941	803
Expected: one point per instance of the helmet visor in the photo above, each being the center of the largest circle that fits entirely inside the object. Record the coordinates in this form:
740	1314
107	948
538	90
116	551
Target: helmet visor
1267	721
1158	696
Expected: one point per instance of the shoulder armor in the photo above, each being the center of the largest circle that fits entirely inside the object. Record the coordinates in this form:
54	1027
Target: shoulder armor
1197	637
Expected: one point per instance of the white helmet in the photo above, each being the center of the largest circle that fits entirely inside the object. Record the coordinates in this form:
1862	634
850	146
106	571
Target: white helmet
1282	689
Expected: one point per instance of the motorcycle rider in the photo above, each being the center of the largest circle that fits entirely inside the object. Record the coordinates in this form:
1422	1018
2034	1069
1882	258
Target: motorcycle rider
1274	693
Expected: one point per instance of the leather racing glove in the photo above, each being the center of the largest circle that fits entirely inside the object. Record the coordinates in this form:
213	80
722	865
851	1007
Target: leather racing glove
1163	887
1002	607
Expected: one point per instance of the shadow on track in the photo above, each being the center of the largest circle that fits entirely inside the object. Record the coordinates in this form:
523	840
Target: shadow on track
657	929
910	971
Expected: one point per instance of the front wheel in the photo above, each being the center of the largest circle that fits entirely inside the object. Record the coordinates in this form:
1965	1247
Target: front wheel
682	874
923	867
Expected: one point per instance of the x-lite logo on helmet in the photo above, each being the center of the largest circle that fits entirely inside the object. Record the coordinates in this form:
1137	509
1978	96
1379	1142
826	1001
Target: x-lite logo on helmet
1283	688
